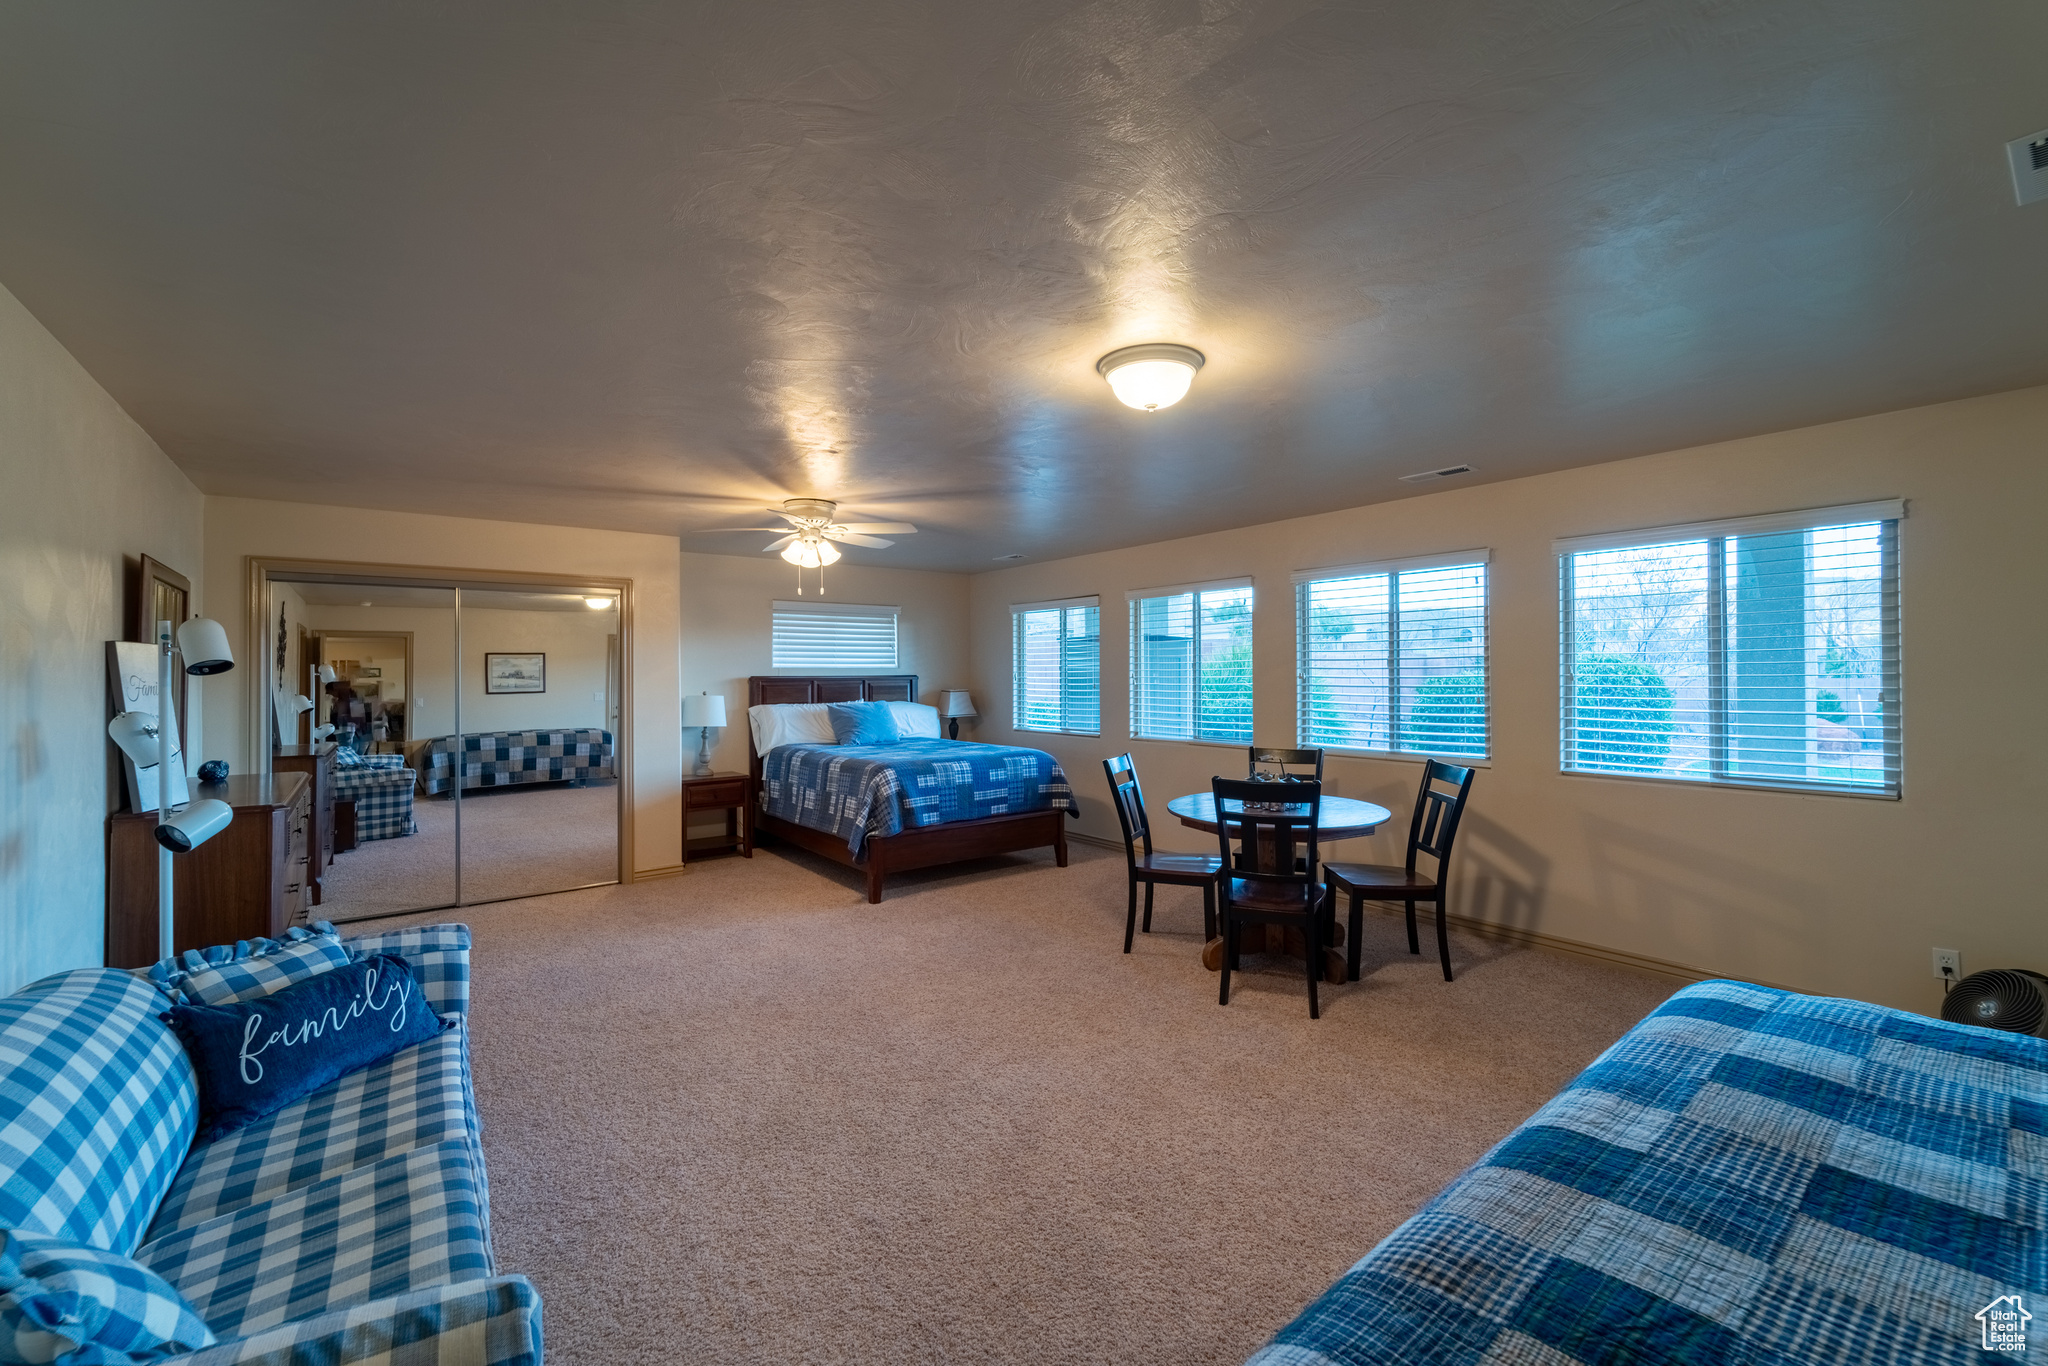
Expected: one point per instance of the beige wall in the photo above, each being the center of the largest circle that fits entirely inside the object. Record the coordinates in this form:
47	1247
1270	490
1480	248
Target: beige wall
574	643
1831	894
81	489
238	528
430	692
726	606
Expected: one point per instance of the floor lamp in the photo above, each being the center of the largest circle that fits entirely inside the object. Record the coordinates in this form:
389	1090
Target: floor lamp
140	735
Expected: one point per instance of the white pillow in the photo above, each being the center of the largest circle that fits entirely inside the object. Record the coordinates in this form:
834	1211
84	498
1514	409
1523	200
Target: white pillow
790	723
916	721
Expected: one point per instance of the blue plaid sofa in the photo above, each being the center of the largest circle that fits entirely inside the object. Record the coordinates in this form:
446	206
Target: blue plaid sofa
1747	1177
381	786
352	1226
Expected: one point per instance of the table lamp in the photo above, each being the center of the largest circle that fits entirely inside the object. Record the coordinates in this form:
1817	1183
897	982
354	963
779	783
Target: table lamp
703	711
955	703
204	645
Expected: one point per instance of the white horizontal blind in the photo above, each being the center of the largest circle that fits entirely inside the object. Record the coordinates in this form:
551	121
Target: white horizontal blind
833	635
1057	668
1393	660
1191	665
1764	658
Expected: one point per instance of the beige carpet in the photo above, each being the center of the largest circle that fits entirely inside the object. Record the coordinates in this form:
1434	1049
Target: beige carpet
740	1116
515	841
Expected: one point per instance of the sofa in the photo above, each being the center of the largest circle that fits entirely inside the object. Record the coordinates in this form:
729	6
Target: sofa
352	1225
381	788
1747	1176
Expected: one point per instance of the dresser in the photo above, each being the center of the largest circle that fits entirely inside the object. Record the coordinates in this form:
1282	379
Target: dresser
247	882
317	763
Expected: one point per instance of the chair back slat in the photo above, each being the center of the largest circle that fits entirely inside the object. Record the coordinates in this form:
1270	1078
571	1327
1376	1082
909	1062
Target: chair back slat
1285	759
1438	811
1128	796
1281	817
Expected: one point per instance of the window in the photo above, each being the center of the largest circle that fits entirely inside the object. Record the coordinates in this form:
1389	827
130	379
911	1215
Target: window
1392	657
1056	666
1191	663
833	635
1762	652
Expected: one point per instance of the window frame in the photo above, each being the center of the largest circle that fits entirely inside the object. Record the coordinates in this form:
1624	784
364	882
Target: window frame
1302	579
1886	514
1134	598
1018	611
779	608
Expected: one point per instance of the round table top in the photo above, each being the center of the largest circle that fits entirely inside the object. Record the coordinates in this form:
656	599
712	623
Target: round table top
1342	818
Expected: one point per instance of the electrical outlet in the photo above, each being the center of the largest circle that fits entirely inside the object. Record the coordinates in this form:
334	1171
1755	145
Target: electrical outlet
1948	965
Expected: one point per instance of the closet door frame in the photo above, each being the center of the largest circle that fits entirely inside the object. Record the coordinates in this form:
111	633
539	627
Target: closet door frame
259	647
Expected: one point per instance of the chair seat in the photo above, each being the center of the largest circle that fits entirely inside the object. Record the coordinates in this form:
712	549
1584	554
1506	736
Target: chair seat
1274	896
1378	879
1178	867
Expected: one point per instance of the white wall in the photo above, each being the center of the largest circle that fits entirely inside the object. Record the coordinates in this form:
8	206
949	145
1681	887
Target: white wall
1832	894
726	605
81	489
238	528
574	643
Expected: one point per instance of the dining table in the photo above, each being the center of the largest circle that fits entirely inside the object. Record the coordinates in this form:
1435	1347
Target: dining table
1339	818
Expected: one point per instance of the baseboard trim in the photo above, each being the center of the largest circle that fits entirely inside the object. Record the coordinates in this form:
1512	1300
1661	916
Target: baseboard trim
666	870
1076	837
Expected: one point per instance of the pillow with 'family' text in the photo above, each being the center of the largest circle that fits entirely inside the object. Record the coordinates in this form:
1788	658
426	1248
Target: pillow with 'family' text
62	1302
253	1058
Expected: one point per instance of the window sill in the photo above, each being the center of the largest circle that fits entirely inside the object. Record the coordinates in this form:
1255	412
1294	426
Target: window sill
1054	730
1405	757
1859	794
1211	744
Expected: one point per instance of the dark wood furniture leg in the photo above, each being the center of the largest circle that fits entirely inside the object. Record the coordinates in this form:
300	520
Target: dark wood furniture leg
344	824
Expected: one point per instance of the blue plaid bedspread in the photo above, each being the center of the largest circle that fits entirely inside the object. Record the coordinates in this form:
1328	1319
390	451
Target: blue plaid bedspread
1747	1176
861	791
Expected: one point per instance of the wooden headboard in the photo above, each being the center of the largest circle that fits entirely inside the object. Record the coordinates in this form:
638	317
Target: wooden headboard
777	689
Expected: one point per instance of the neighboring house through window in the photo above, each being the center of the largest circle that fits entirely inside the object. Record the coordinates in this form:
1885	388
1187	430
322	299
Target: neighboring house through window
1191	662
1056	665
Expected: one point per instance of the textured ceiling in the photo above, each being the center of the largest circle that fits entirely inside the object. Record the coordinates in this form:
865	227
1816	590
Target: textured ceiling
649	266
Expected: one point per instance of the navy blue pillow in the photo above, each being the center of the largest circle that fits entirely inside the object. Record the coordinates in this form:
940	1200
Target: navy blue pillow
256	1057
863	723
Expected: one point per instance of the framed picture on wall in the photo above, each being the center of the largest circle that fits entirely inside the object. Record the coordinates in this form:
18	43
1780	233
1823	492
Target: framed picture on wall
515	673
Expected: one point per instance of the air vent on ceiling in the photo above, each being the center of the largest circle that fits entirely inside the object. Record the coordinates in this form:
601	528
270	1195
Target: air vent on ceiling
2028	157
1009	557
1428	476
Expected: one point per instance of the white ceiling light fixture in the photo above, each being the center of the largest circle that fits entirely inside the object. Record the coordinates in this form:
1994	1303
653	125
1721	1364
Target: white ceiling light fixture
813	526
597	604
1152	376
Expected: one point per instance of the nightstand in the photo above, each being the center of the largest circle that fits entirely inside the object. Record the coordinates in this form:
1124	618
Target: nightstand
732	791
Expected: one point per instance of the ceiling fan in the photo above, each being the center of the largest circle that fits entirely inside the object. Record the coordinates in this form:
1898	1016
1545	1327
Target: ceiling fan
809	544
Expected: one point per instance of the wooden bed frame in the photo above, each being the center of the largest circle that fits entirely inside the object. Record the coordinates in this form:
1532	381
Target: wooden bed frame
926	847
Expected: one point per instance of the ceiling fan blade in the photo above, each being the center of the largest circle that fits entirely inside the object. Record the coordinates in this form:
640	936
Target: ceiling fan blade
840	533
879	528
789	517
722	530
777	545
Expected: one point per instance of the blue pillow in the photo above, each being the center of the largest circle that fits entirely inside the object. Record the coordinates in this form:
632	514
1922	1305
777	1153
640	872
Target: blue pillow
256	1057
61	1302
863	723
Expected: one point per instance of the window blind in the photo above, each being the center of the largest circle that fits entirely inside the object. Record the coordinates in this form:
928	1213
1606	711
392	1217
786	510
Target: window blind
1056	665
832	635
1191	664
1392	658
1762	652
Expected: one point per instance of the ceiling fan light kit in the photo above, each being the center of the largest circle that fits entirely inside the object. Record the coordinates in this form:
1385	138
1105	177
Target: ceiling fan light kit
1152	376
810	546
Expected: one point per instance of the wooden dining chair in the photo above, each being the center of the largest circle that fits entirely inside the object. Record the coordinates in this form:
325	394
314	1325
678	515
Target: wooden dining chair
1283	759
1273	870
1178	870
1439	807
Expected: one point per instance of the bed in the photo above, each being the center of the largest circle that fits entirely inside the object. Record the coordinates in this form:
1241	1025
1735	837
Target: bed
936	842
1747	1176
507	758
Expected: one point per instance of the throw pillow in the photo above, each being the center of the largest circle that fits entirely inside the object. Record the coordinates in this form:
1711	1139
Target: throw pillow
863	723
344	757
268	966
256	1057
61	1302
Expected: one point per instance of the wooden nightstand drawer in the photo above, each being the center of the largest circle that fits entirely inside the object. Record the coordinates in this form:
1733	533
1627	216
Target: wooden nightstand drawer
732	792
703	793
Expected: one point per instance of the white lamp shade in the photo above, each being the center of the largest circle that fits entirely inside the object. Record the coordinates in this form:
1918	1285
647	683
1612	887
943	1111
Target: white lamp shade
205	646
322	732
956	702
326	673
303	702
188	829
702	709
135	733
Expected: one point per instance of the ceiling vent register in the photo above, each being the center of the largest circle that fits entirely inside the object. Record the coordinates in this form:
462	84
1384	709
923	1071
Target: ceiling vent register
2028	157
1431	476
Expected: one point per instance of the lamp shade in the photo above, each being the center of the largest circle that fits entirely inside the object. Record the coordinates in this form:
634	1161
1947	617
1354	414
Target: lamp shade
302	702
135	733
205	647
326	673
956	702
702	709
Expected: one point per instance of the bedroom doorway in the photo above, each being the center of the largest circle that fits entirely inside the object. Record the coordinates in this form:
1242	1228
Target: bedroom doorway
469	729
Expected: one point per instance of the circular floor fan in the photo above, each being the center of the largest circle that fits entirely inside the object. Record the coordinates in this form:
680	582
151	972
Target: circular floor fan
2012	999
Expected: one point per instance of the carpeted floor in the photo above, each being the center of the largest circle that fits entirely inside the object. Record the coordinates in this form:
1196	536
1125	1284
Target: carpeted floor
515	841
741	1116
